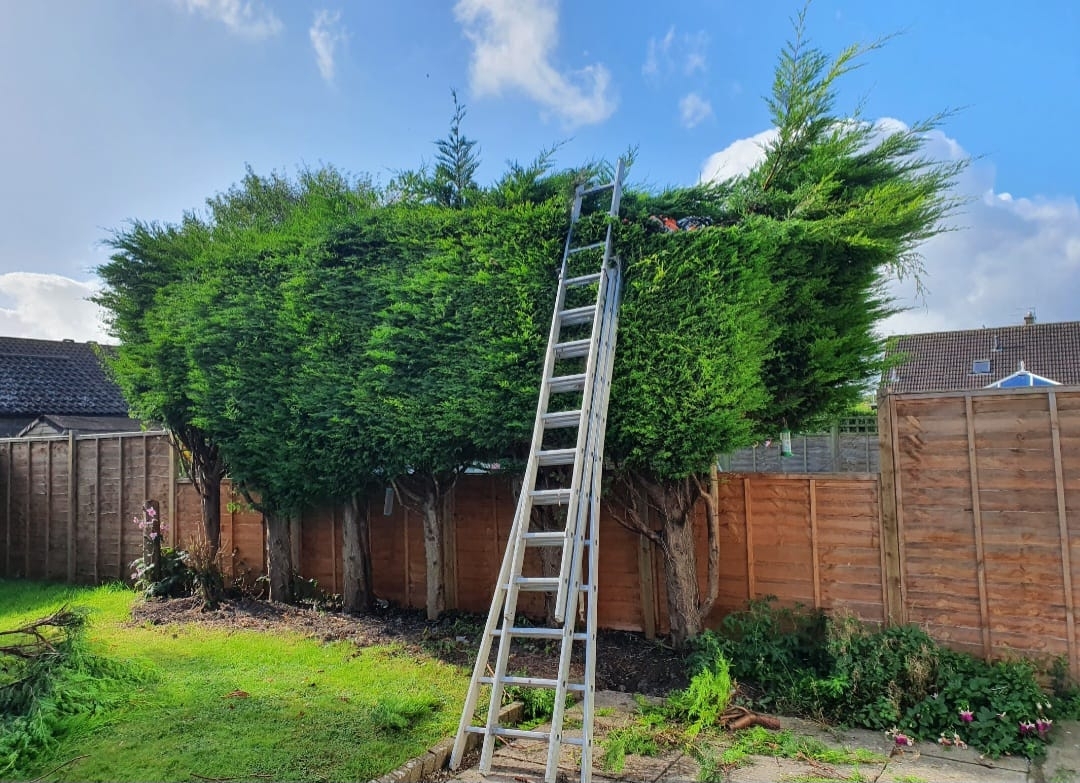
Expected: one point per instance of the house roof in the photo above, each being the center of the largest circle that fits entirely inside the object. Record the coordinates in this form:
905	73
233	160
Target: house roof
55	377
956	361
85	424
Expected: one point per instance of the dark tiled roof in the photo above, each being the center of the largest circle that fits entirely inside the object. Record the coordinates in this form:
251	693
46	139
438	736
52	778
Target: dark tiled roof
944	361
48	376
63	424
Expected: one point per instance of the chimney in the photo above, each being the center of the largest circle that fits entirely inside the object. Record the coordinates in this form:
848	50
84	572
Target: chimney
1029	319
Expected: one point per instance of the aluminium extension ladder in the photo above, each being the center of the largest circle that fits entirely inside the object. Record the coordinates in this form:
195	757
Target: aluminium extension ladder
578	332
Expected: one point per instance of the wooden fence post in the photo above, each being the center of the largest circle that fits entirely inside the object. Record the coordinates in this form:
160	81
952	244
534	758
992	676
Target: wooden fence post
48	504
646	580
814	554
73	496
7	511
976	513
751	581
891	572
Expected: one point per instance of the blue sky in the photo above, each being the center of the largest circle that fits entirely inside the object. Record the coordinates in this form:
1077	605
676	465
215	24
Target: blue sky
120	109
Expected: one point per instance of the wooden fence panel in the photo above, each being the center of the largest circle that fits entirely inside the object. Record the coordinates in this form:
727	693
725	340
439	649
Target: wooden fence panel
989	501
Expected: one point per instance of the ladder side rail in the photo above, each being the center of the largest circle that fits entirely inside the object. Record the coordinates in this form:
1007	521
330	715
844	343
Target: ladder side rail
592	596
586	509
563	597
587	403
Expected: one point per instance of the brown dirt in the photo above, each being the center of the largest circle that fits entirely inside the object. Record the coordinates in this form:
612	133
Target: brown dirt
625	661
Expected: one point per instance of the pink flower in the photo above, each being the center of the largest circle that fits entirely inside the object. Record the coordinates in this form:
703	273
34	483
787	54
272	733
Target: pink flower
1026	727
966	716
1042	725
904	739
151	512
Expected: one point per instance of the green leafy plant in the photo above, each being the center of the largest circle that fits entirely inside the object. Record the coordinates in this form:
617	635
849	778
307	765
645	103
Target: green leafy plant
704	700
894	678
174	578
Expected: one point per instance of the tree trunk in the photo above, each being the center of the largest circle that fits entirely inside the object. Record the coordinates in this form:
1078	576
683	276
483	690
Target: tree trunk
672	502
204	465
211	513
279	565
680	565
356	554
425	493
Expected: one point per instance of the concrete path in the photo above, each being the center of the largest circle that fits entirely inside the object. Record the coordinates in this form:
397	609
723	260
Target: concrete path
522	761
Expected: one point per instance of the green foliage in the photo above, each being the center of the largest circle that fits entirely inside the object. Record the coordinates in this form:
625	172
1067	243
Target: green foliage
647	735
399	712
704	700
894	678
538	704
769	645
44	696
758	741
175	577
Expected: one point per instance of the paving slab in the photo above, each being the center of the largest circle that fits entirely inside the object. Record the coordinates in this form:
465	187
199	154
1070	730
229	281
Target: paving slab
1062	762
523	761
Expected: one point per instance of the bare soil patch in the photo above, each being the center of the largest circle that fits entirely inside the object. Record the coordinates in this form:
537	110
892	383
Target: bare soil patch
625	661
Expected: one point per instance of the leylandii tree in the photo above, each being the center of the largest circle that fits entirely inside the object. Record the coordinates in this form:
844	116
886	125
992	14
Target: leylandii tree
149	364
766	319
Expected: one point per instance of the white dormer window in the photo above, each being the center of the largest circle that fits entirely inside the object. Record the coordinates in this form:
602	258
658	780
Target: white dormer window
980	367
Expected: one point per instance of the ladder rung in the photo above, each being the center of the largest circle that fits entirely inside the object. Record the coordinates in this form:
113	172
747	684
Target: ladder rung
540	633
568	383
577	315
572	349
515	733
537	583
550	497
583	280
556	457
562	419
534	682
598	189
546	538
584	248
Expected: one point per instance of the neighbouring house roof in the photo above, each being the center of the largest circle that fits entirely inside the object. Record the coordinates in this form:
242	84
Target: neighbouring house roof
55	377
977	358
61	425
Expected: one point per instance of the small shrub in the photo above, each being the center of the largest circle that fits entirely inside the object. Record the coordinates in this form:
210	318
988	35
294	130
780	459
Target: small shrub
706	697
895	678
207	575
174	578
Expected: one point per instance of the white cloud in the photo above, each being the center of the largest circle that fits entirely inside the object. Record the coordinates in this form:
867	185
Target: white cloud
1006	255
693	109
513	43
326	33
49	307
249	18
672	54
737	158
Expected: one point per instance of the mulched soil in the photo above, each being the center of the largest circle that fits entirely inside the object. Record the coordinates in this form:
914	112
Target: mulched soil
625	661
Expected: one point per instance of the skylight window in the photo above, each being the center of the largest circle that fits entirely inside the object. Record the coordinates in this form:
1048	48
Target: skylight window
980	367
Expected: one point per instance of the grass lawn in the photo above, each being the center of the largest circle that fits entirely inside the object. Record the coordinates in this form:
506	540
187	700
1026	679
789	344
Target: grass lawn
241	705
